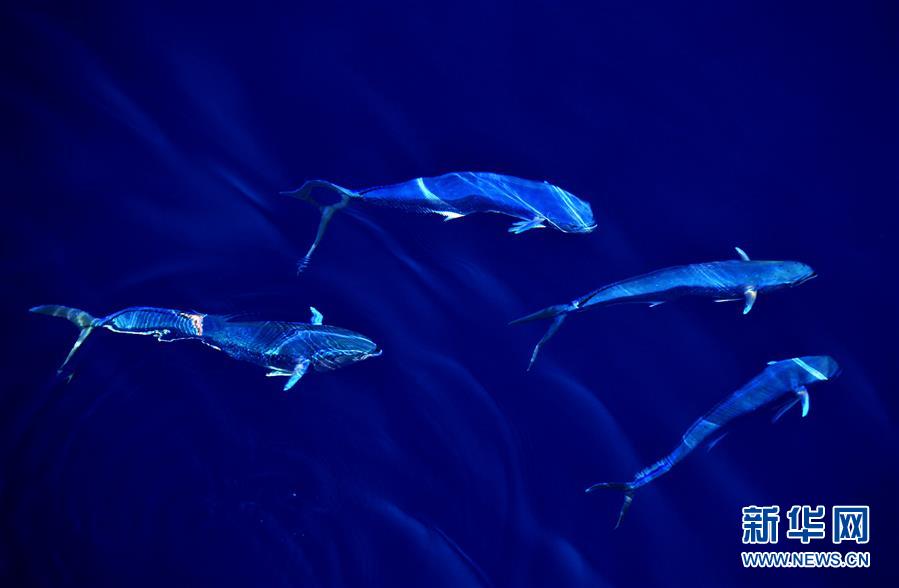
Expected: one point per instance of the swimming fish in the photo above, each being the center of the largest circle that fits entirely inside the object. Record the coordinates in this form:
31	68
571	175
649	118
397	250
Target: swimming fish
455	195
784	380
725	281
286	349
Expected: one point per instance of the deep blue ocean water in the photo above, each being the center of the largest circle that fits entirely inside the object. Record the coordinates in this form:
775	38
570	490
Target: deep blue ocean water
144	149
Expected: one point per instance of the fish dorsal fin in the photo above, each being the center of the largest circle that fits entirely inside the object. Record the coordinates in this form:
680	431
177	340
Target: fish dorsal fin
316	316
751	294
802	393
742	254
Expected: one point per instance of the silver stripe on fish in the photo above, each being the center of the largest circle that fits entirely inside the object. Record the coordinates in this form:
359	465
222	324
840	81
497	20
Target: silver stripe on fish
817	375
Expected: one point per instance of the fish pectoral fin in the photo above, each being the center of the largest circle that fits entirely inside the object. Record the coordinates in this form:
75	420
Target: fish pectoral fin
716	440
802	393
729	299
751	294
742	254
801	397
165	336
449	215
276	373
654	304
527	225
298	372
783	409
316	316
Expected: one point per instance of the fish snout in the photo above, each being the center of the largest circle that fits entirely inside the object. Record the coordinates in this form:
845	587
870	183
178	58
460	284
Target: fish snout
798	273
806	278
831	368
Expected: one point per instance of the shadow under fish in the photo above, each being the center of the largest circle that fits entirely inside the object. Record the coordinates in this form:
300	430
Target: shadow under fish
455	195
285	348
781	382
724	281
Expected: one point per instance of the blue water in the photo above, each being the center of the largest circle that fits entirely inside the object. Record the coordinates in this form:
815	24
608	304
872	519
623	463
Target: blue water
144	149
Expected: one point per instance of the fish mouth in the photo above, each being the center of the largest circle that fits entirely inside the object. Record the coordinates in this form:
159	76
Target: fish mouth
378	351
805	279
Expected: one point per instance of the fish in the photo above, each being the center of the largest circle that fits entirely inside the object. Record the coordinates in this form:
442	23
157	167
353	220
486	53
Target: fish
285	348
455	195
782	381
732	280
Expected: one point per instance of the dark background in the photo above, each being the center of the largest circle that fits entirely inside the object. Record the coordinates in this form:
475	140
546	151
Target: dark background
143	151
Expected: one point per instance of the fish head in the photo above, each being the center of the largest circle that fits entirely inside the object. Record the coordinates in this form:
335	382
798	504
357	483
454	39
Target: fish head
576	215
794	273
813	368
563	210
774	275
816	368
345	348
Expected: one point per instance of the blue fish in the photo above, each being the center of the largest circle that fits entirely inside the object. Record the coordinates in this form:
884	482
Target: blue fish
285	348
782	381
454	195
724	281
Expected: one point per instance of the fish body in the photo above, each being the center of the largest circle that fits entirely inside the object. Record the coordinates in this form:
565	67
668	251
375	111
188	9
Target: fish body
459	194
780	382
455	195
720	280
730	280
280	345
285	348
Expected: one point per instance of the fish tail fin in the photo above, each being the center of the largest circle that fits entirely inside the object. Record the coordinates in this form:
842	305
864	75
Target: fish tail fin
626	487
304	192
557	313
544	313
79	318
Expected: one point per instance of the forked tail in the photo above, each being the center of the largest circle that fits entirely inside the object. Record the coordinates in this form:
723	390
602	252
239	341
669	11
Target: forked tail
557	313
305	193
628	489
79	318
